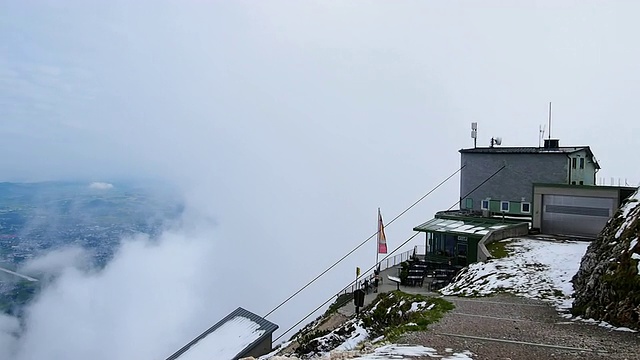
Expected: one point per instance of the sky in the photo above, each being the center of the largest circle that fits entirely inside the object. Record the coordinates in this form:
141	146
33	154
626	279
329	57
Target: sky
285	125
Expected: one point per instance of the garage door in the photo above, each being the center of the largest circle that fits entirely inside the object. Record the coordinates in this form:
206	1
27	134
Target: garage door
575	215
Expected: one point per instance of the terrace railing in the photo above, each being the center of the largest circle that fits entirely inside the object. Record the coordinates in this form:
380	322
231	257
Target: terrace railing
384	265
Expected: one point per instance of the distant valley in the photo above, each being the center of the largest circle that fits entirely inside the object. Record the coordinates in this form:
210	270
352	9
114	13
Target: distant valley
37	217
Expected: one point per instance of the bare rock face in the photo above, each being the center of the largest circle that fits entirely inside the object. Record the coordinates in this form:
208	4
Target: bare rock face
607	286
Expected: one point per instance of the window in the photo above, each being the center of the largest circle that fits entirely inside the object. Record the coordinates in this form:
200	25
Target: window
581	182
581	163
573	183
504	206
442	244
485	205
525	207
468	203
573	163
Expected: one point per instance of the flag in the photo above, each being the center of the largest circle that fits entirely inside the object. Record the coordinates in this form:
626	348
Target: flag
382	239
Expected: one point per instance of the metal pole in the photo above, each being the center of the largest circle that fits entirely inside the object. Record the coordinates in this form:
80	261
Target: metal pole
549	119
378	238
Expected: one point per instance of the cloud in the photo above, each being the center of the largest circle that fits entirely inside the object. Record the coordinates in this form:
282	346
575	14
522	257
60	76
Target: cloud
54	262
9	332
144	304
285	126
100	186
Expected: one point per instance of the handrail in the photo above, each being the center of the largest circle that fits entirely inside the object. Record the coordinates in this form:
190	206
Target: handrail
384	265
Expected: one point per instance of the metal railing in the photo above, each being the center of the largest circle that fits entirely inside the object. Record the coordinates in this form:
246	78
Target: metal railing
384	265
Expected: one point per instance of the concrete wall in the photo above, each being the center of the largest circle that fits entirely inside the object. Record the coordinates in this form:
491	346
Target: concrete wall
585	176
260	349
515	181
500	234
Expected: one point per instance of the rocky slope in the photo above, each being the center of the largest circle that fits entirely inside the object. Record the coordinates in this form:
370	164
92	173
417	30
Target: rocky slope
384	320
607	285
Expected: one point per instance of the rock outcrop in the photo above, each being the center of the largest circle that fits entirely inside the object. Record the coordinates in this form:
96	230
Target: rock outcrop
607	285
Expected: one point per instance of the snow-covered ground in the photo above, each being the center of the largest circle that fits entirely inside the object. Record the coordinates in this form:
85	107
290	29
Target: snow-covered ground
537	269
627	209
600	323
390	352
408	351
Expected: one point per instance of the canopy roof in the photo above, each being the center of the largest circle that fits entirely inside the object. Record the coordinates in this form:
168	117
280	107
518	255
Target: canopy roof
468	227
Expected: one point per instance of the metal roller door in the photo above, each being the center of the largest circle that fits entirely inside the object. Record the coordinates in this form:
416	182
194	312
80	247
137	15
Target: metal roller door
578	215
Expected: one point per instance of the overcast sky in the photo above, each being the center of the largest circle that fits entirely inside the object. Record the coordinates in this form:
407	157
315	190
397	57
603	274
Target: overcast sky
287	124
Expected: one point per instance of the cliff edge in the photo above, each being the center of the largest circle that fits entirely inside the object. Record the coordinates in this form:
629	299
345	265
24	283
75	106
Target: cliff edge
607	285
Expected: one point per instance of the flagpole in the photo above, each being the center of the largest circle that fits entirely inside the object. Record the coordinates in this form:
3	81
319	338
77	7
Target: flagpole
378	238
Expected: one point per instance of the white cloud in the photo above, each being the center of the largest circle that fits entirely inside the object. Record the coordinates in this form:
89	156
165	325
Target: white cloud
54	262
287	125
9	330
101	186
150	300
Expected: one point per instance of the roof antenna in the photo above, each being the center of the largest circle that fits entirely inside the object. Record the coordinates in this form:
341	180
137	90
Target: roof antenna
549	120
474	133
541	134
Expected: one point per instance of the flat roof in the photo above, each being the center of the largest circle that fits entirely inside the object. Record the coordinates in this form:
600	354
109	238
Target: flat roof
530	150
525	150
467	227
587	187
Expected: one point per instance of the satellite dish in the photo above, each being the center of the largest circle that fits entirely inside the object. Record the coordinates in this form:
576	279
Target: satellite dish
498	141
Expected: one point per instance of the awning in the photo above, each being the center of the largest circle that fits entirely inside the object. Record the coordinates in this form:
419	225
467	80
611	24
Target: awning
468	227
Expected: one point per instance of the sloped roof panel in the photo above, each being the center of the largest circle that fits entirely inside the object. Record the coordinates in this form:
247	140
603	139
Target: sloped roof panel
235	336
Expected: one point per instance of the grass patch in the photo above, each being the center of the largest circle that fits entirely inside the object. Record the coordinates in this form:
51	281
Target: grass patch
309	331
390	314
498	249
341	301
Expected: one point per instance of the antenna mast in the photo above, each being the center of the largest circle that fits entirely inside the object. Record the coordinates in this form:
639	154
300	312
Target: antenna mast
549	119
541	134
474	133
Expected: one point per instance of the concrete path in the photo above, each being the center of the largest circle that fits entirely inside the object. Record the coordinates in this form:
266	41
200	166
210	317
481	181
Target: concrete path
510	327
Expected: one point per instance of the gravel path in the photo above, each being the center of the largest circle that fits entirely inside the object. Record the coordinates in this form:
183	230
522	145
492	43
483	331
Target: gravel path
508	327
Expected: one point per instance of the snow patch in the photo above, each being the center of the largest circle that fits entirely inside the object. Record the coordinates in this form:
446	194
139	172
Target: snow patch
636	257
417	306
396	351
225	342
359	335
379	338
627	208
389	352
536	269
603	324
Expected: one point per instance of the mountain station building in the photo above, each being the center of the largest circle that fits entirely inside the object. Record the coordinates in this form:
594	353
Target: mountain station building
514	191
